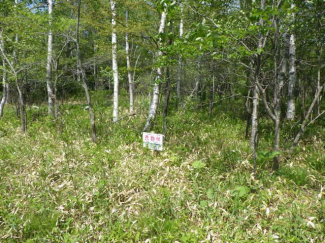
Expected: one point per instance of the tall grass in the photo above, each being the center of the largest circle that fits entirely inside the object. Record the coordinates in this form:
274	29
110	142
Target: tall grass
57	186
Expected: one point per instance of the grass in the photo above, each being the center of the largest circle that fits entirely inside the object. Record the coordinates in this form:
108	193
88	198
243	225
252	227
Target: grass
57	186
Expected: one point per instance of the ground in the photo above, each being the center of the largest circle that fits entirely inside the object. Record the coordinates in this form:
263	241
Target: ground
58	186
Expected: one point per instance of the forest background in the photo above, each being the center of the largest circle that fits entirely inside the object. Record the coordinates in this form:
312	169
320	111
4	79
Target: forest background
235	86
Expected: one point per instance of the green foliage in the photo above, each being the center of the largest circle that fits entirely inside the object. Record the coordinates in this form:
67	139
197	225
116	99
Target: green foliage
241	191
59	186
264	158
298	175
316	161
198	164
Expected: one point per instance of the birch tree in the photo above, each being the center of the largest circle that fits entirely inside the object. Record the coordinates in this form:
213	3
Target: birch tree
291	107
128	63
4	79
156	87
50	93
15	71
278	99
114	62
180	60
273	108
256	93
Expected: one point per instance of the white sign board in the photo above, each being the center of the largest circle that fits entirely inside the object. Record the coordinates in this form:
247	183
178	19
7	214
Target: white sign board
153	141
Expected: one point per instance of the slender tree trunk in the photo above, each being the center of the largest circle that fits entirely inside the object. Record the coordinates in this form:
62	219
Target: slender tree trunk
98	86
81	74
278	99
180	60
4	80
291	107
254	119
319	66
248	104
305	121
212	94
55	91
22	107
156	88
167	96
50	93
303	97
249	113
168	86
114	62
21	101
128	64
254	131
198	78
135	66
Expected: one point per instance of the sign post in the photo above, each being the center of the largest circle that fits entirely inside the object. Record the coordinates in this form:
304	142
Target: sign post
153	141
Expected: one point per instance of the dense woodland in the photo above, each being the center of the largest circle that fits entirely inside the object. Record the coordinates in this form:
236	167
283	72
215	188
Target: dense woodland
235	86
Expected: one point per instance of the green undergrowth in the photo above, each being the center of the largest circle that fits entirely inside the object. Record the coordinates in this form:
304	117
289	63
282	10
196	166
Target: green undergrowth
58	186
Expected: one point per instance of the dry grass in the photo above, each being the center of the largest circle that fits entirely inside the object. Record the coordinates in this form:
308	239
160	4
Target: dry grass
62	188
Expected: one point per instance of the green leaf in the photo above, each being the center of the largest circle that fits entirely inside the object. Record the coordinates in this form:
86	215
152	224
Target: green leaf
210	194
198	164
137	237
241	191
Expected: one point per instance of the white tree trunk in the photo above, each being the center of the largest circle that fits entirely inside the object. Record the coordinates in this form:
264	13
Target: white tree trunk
180	61
114	62
50	93
291	107
4	80
128	64
156	88
254	117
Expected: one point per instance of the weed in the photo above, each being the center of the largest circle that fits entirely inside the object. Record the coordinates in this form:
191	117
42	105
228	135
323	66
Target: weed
57	186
